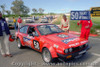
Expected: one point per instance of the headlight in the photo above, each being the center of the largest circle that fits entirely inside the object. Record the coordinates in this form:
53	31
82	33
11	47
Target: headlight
70	49
66	51
81	46
86	44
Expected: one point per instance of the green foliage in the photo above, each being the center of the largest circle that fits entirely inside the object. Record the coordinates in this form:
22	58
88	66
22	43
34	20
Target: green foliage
74	26
96	20
35	10
8	12
93	31
19	8
58	21
3	8
41	10
97	26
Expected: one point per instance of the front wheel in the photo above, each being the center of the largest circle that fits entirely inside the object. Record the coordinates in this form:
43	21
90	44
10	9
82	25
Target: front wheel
46	55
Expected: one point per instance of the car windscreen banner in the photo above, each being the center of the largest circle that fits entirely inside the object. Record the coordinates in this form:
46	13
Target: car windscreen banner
80	15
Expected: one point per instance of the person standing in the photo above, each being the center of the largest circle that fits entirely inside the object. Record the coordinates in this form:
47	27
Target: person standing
65	24
85	29
14	21
33	18
19	22
4	37
7	19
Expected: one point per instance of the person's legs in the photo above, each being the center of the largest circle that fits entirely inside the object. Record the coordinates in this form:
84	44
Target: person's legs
15	25
83	33
87	34
20	24
6	43
2	45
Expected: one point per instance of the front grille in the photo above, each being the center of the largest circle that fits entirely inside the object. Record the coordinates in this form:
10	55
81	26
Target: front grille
79	47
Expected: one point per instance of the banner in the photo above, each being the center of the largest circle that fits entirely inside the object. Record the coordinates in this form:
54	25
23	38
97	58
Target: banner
80	15
95	11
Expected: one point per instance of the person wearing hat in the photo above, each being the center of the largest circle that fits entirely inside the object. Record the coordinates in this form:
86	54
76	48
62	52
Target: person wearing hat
65	24
4	37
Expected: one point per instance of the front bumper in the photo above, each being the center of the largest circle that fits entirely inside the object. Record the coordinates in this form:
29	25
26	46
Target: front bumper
74	55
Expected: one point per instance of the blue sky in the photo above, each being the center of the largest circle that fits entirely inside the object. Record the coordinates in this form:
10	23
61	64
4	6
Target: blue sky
57	6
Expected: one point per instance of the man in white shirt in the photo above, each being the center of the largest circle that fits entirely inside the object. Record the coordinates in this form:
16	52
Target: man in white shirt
65	24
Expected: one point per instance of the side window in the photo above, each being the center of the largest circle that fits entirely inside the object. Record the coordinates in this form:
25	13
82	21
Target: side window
32	31
24	29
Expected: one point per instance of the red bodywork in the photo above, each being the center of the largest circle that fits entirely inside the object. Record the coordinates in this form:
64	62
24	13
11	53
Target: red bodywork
53	42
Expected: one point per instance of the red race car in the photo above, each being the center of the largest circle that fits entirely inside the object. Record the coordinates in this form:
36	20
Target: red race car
51	41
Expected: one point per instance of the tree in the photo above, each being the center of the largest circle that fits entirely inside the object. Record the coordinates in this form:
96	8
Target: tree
34	10
3	8
19	8
41	10
25	10
8	12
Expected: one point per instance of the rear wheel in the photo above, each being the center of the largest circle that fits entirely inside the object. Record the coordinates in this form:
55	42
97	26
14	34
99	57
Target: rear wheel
46	55
19	44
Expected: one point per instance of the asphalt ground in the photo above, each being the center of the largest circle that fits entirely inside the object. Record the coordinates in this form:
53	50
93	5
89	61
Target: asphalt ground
28	57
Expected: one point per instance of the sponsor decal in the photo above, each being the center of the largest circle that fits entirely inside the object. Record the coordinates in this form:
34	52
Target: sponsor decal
30	36
62	35
70	39
36	44
56	46
26	39
82	42
73	45
59	51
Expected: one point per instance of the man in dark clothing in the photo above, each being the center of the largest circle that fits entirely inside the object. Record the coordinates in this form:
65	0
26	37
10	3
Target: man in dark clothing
4	37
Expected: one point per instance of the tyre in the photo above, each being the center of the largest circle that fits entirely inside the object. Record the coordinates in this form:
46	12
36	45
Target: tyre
46	55
19	44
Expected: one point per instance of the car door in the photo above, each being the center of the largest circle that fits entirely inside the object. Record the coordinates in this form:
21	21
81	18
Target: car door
35	44
23	34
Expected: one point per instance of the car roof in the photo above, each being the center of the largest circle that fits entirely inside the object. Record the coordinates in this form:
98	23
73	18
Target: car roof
37	24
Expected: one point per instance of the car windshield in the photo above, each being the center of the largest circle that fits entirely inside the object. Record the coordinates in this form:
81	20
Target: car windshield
49	29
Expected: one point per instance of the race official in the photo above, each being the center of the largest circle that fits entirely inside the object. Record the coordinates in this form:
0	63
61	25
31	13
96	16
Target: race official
4	37
65	24
19	22
85	29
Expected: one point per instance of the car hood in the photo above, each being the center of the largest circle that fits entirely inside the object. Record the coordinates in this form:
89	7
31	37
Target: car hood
66	40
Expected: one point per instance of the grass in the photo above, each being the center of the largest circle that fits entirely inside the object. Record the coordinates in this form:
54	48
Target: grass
96	20
58	21
75	27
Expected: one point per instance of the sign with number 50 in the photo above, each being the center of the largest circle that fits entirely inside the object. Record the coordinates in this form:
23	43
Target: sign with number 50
80	15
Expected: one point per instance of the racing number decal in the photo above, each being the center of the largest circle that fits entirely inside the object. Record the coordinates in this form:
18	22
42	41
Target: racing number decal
36	44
